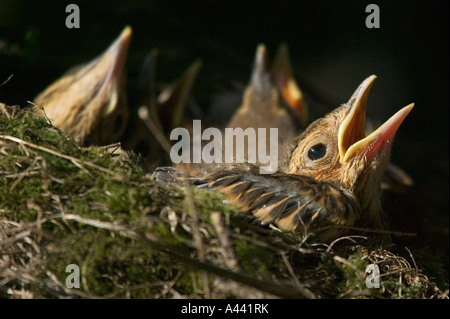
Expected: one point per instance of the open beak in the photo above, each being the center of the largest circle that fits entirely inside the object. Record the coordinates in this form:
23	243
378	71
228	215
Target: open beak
282	74
351	136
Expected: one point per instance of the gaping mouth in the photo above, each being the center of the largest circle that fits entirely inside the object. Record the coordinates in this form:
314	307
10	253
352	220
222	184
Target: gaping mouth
351	135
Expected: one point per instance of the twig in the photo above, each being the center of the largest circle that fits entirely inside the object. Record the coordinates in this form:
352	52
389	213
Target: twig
283	291
153	128
99	224
351	238
367	230
197	235
7	80
226	246
74	160
310	294
21	175
347	263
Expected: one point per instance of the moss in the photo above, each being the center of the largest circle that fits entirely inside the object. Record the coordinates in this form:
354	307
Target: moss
353	274
257	260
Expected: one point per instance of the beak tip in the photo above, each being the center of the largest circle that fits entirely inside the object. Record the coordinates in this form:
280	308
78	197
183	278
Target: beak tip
261	49
126	33
261	58
123	40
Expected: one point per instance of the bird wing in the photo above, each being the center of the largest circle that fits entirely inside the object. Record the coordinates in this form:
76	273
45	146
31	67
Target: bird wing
291	202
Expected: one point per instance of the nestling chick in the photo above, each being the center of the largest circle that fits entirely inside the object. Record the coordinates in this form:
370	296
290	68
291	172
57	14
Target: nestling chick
89	102
329	179
262	99
156	115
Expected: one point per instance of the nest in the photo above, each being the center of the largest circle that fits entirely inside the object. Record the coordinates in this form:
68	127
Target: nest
89	223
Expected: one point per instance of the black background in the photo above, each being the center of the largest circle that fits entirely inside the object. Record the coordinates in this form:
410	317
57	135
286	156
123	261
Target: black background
331	48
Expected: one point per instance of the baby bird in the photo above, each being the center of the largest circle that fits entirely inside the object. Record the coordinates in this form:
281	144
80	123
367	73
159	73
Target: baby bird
328	180
157	113
272	99
89	102
262	99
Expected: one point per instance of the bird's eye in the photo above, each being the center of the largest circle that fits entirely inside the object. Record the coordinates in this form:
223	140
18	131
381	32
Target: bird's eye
317	152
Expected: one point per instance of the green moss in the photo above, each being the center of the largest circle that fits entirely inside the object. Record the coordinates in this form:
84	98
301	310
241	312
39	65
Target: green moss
353	273
258	260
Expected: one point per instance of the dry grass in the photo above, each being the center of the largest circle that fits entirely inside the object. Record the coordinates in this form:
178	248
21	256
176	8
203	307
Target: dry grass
134	238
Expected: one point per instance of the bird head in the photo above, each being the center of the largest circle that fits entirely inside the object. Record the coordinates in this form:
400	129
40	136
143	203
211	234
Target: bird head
262	105
88	102
260	90
335	148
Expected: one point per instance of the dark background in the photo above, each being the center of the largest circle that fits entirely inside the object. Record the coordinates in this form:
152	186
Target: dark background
331	49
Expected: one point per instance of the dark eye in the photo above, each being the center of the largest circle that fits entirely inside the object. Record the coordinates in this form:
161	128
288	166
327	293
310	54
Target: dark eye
317	151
